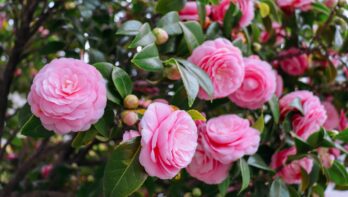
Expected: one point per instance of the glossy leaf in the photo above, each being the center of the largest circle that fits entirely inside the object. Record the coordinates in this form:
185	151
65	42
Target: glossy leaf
231	19
148	59
224	186
302	146
338	173
278	189
193	34
201	12
144	37
316	138
33	128
190	83
129	28
257	161
259	124
84	138
304	180
106	124
170	23
343	136
104	68
245	172
319	7
201	76
274	105
122	81
196	115
296	103
123	173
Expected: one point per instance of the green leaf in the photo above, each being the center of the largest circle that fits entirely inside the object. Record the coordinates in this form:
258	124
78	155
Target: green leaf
296	103
196	115
231	19
122	81
318	190
104	68
106	124
316	138
304	180
190	83
215	2
170	23
84	138
213	31
193	34
338	173
245	172
201	12
302	146
343	136
33	128
129	28
278	189
123	173
201	76
274	105
257	161
148	59
164	6
321	8
144	37
259	124
224	186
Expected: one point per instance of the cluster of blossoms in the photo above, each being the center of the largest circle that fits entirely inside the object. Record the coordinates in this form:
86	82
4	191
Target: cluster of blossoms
69	95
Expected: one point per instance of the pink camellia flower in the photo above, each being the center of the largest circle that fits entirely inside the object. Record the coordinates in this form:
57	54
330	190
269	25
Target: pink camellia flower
169	140
128	135
330	3
258	86
291	5
333	119
294	62
279	85
227	138
245	6
291	173
205	168
328	155
68	95
314	112
278	31
190	11
343	124
46	170
223	63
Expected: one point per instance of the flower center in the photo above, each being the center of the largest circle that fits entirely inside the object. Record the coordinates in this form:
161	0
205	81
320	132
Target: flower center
250	84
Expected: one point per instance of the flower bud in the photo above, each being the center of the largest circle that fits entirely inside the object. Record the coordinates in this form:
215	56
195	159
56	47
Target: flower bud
257	46
131	102
129	118
172	72
196	192
161	35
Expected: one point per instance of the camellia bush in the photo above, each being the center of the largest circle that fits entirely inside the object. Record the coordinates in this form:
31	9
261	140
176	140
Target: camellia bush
173	98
